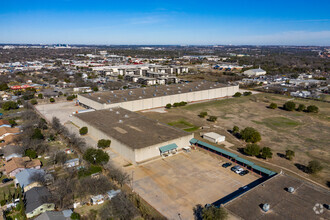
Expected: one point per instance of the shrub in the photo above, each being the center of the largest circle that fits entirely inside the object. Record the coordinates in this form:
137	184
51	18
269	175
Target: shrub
314	166
266	152
202	114
12	122
289	106
247	93
235	129
103	143
75	216
312	109
9	105
31	153
52	100
70	97
95	89
237	94
212	118
4	86
37	134
289	154
250	135
252	149
301	108
168	106
40	96
83	131
96	156
34	101
273	105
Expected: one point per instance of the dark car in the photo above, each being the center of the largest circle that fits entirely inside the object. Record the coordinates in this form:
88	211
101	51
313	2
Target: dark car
6	180
225	165
244	172
234	168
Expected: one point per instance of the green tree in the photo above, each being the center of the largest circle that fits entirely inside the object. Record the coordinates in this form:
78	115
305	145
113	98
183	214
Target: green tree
266	152
250	135
237	94
301	108
273	105
247	93
212	213
252	149
312	109
12	122
212	118
96	156
52	100
314	166
202	114
83	131
31	153
95	89
289	106
289	154
40	96
235	129
4	86
37	134
34	101
75	216
168	106
9	105
103	143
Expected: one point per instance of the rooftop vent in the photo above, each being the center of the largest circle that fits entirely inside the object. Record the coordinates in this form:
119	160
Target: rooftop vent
98	98
165	93
126	116
110	109
190	90
120	121
179	91
117	112
211	87
291	190
111	91
266	207
115	95
140	97
109	101
144	92
155	94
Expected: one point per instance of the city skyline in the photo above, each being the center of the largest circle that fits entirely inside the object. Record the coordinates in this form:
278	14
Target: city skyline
165	23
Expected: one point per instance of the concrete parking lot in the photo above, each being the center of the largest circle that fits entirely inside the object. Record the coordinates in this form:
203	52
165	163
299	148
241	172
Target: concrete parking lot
61	110
176	184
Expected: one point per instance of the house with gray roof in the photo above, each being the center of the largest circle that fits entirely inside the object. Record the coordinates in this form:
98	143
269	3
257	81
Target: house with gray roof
37	201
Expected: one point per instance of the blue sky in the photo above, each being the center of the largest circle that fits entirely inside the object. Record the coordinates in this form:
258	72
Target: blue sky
289	22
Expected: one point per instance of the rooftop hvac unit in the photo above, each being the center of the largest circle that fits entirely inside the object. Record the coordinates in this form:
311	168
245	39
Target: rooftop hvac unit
126	116
144	92
115	95
120	121
266	207
109	101
211	87
179	87
179	91
165	93
155	94
125	99
190	90
117	112
140	97
291	190
111	91
110	109
98	98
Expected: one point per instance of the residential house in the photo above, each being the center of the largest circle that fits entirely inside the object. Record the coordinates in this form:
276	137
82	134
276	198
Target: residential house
55	215
6	131
11	151
17	164
24	178
4	123
37	201
72	163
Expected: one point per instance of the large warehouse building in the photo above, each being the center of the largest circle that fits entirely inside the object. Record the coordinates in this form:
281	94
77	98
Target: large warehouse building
132	135
157	96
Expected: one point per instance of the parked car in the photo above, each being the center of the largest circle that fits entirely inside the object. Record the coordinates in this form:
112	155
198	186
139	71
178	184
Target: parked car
225	165
234	168
6	180
239	170
244	172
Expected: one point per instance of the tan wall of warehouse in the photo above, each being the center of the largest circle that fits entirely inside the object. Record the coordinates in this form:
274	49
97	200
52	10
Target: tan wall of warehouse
156	102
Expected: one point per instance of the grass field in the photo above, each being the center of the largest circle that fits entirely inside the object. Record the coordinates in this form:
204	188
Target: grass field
184	125
305	133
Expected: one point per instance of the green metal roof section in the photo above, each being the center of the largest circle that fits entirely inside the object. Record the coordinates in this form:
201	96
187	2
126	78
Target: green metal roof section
217	149
168	147
193	141
236	157
263	170
242	160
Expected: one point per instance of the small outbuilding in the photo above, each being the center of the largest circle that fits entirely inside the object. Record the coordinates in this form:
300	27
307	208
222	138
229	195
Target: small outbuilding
214	137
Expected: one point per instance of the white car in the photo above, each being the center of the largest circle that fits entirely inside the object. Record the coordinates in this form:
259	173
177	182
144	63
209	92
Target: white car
239	170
